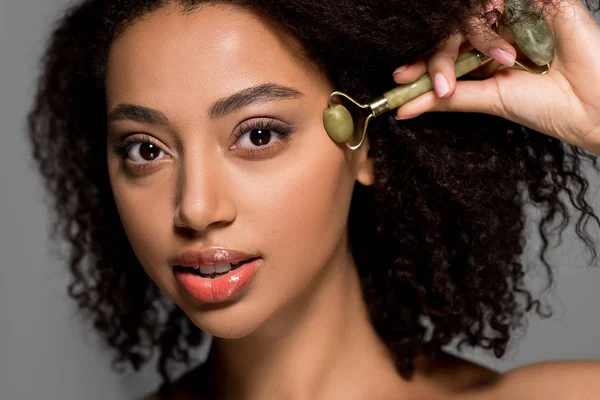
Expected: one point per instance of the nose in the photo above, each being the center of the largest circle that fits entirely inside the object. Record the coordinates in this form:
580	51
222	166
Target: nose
204	198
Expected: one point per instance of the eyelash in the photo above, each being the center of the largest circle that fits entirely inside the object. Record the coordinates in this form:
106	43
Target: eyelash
122	146
284	132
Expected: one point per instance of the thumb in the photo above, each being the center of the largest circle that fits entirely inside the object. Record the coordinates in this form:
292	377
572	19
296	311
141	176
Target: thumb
469	96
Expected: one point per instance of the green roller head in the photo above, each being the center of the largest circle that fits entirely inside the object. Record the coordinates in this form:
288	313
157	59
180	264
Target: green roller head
532	36
338	123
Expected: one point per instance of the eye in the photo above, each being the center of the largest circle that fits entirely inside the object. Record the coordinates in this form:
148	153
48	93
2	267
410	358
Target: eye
144	152
138	149
262	135
257	137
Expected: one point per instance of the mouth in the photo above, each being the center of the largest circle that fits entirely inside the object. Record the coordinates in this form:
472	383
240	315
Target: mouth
213	271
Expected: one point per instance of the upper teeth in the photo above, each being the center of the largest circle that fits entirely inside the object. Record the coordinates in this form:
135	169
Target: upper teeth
218	268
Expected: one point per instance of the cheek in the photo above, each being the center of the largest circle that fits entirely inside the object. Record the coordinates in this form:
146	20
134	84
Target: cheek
302	208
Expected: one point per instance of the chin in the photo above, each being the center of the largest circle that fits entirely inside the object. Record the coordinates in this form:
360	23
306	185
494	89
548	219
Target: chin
232	321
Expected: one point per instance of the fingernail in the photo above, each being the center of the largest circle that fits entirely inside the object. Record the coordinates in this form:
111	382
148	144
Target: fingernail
407	116
503	57
397	71
400	69
441	84
489	7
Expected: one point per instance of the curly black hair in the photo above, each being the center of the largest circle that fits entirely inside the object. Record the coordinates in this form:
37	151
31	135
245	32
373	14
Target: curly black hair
437	239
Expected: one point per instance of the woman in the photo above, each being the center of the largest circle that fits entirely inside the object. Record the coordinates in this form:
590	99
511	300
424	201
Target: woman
179	135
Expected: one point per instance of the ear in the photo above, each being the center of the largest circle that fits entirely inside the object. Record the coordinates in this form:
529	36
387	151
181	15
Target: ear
365	173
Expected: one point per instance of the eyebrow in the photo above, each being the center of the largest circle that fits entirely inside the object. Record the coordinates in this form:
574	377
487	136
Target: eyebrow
133	112
245	97
254	94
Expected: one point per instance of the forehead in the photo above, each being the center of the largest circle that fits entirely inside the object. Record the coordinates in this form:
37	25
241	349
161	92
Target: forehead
214	50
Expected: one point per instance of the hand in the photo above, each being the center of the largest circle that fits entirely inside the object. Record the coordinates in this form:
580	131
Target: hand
565	103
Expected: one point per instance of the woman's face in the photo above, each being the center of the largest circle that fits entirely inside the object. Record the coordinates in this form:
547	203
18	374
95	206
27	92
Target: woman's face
259	175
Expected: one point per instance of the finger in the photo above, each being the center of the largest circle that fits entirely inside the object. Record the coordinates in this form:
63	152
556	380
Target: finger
418	106
441	66
486	70
486	40
469	96
411	72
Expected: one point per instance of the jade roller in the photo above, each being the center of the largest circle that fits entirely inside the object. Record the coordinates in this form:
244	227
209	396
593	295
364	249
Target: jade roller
532	36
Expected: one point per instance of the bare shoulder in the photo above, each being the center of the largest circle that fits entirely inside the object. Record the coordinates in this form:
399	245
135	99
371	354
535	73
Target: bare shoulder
454	378
559	380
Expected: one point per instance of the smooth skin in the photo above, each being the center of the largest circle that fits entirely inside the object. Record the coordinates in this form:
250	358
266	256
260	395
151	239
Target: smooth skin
301	329
564	104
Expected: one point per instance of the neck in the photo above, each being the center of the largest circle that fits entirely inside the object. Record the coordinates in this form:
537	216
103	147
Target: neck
324	347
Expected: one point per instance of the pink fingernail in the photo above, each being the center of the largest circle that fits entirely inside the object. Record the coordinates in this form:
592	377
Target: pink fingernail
400	69
503	57
441	84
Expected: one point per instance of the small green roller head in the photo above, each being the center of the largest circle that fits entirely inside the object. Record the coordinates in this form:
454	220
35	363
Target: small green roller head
338	123
533	37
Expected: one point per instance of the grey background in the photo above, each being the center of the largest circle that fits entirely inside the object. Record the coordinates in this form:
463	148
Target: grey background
45	350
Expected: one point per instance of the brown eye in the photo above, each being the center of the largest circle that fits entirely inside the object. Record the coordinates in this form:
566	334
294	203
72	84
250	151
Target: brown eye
144	152
260	137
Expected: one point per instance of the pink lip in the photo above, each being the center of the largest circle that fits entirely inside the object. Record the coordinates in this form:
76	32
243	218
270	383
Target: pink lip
211	256
223	288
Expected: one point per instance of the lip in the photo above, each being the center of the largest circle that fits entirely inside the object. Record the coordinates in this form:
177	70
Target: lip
226	287
211	256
